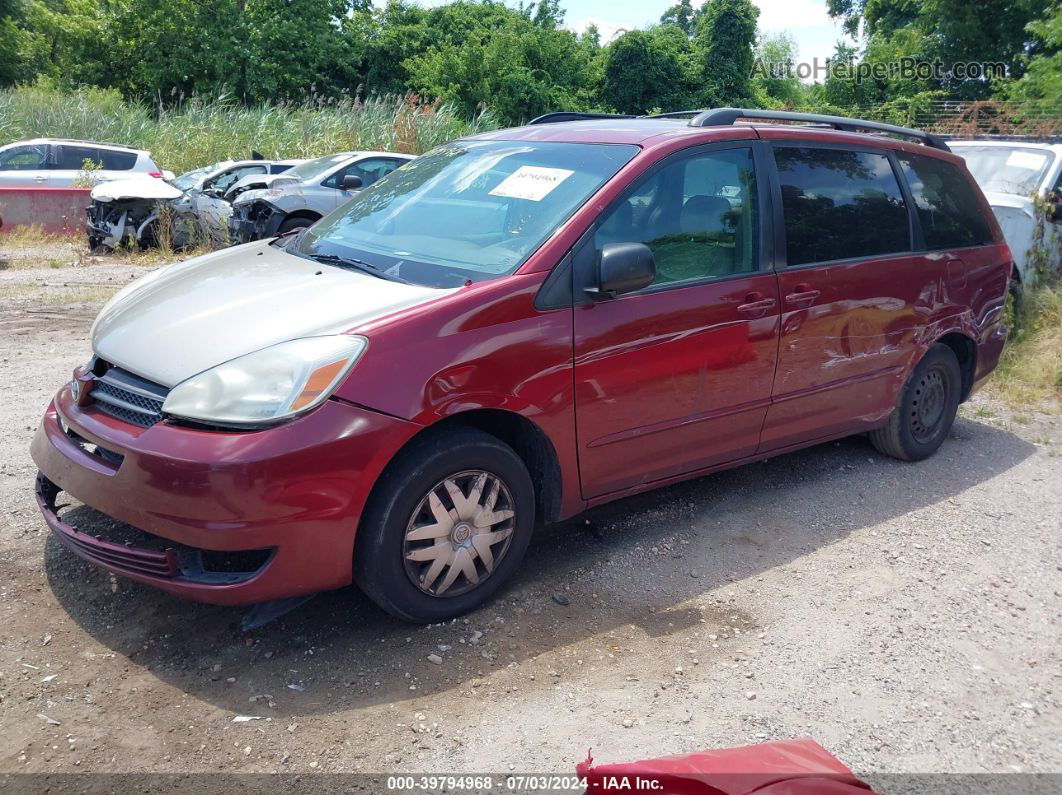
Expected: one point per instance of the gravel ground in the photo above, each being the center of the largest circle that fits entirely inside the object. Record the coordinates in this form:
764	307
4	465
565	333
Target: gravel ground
907	616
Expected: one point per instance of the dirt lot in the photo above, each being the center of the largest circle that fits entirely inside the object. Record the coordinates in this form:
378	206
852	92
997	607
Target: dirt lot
907	616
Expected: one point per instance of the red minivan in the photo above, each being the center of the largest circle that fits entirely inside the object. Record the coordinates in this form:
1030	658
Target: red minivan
512	328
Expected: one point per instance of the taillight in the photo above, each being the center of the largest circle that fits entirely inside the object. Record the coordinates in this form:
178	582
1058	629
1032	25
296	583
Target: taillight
1009	265
155	174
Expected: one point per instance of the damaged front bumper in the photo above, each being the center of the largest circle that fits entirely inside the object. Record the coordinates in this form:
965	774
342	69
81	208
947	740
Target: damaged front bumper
115	223
256	220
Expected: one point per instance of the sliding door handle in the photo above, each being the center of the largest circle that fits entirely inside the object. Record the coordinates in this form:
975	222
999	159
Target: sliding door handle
803	293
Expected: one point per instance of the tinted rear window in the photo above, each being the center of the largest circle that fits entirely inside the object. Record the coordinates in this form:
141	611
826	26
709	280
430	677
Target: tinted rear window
840	204
74	157
947	206
117	161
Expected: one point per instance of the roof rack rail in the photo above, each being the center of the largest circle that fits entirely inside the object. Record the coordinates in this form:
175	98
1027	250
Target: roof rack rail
720	117
675	114
564	115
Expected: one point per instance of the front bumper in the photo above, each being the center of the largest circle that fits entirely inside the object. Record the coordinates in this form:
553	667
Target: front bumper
294	492
256	220
101	229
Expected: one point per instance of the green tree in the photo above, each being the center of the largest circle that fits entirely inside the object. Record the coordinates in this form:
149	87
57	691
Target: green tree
67	41
297	48
499	57
726	33
12	41
549	14
774	82
681	14
873	16
172	48
987	31
953	31
649	70
1042	78
383	40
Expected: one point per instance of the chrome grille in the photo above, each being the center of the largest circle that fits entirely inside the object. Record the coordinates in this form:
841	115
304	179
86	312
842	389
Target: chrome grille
128	397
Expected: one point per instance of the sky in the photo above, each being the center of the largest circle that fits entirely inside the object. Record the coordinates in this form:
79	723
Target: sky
805	20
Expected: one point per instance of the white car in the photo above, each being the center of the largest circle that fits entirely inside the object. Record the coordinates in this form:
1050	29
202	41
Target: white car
307	193
208	200
1013	175
57	163
128	211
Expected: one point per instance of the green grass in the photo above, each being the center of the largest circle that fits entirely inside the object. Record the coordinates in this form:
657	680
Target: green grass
199	131
1030	370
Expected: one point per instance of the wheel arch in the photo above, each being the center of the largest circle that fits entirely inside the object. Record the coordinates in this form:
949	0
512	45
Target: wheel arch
529	441
309	215
965	350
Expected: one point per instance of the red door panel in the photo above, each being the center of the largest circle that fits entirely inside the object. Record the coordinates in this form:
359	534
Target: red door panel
672	381
848	334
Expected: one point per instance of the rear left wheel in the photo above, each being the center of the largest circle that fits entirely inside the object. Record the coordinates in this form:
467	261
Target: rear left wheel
926	409
446	526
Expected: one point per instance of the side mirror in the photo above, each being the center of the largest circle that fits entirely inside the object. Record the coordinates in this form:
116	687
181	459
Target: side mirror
624	268
351	182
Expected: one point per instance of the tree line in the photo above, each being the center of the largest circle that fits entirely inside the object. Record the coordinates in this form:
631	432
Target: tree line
518	61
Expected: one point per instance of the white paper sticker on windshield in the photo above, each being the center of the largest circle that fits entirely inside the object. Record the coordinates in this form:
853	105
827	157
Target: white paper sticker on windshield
531	182
1028	160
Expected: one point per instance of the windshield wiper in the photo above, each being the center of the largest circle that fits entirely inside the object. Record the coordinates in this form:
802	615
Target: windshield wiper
355	264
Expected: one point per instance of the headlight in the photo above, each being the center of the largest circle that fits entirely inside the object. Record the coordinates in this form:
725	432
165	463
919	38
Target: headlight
267	385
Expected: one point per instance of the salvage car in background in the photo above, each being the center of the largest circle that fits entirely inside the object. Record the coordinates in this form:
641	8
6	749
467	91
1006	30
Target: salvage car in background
307	193
208	203
57	163
128	212
1015	176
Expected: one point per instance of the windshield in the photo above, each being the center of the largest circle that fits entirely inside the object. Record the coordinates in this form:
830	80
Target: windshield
1005	169
469	210
189	178
316	167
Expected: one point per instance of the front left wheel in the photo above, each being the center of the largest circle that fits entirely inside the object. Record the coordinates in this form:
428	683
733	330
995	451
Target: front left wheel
446	526
293	224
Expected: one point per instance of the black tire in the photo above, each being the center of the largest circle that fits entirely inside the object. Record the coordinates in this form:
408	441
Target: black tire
293	224
1013	307
926	409
380	566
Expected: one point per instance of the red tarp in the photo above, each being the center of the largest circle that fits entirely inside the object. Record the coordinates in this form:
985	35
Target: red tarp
785	767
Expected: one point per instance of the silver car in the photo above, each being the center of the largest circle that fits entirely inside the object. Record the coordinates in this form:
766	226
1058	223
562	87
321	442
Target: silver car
307	193
57	163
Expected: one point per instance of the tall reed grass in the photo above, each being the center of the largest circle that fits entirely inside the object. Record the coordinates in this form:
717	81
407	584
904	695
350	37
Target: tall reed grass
201	130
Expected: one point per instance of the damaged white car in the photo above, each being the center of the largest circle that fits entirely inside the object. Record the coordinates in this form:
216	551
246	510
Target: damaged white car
1016	177
307	193
128	210
189	209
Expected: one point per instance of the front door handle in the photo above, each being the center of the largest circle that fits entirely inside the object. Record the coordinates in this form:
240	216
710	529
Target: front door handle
804	293
39	179
755	304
